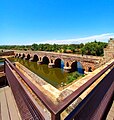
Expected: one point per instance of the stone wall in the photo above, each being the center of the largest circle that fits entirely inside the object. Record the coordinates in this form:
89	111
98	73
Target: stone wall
6	53
109	50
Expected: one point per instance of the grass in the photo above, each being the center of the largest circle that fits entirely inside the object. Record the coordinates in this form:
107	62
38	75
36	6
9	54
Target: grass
73	76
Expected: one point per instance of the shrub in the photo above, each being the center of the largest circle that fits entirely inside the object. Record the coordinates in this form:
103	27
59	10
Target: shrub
73	76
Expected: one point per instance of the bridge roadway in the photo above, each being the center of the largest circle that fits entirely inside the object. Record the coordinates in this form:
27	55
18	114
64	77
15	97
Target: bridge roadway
87	61
110	115
8	106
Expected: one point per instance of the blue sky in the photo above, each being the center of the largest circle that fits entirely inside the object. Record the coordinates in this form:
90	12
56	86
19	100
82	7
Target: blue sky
55	21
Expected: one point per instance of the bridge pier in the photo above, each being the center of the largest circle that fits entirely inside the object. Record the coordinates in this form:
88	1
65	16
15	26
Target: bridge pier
51	65
67	69
30	59
39	62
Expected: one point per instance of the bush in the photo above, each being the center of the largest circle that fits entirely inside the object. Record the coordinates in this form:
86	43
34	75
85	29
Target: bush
73	76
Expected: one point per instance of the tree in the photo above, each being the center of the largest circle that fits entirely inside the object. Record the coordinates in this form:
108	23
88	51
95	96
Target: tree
34	47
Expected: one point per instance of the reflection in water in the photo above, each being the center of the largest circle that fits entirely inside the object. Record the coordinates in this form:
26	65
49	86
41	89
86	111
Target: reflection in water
54	76
45	69
1	63
59	74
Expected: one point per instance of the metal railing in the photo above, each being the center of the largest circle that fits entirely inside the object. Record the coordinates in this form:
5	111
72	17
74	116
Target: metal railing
56	110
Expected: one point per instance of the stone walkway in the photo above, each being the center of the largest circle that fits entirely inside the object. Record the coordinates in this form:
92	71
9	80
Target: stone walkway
110	115
8	107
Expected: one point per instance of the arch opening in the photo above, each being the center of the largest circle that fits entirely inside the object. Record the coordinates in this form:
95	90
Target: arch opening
67	64
59	63
28	57
35	58
51	61
19	55
74	66
16	55
23	56
89	69
45	60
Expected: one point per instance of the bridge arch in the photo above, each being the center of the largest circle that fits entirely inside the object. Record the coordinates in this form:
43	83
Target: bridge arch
19	55
45	60
74	66
40	58
23	55
89	69
28	57
59	63
51	61
16	55
35	58
67	64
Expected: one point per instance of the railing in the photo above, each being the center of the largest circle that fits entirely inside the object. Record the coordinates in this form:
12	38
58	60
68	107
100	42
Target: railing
26	106
106	86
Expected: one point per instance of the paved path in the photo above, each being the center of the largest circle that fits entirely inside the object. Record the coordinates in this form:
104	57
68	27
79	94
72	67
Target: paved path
8	107
110	115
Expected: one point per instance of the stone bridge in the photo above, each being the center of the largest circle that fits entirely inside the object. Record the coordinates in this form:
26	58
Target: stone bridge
53	59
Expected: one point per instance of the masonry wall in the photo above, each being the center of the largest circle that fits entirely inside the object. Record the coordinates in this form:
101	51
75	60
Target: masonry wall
109	50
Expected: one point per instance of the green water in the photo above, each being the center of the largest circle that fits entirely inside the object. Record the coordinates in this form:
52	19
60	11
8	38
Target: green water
1	61
55	76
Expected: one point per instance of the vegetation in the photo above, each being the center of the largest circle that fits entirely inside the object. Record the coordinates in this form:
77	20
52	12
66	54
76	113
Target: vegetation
1	60
93	48
73	76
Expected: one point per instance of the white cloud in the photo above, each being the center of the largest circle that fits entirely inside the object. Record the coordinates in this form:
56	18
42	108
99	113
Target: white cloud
101	37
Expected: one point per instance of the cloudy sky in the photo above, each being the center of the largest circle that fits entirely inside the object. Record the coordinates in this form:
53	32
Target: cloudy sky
55	21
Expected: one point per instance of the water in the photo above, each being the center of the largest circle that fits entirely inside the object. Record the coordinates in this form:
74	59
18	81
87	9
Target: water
54	76
1	63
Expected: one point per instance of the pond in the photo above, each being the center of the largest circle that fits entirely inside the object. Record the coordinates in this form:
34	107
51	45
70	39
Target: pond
55	76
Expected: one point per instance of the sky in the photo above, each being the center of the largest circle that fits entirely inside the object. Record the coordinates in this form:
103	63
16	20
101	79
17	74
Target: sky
24	22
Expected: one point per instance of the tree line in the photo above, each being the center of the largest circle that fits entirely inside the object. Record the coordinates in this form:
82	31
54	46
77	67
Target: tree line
91	48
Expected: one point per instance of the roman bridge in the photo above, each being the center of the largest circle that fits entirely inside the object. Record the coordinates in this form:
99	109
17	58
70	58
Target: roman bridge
54	59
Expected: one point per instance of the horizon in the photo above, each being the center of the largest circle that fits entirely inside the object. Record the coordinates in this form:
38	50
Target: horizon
54	21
